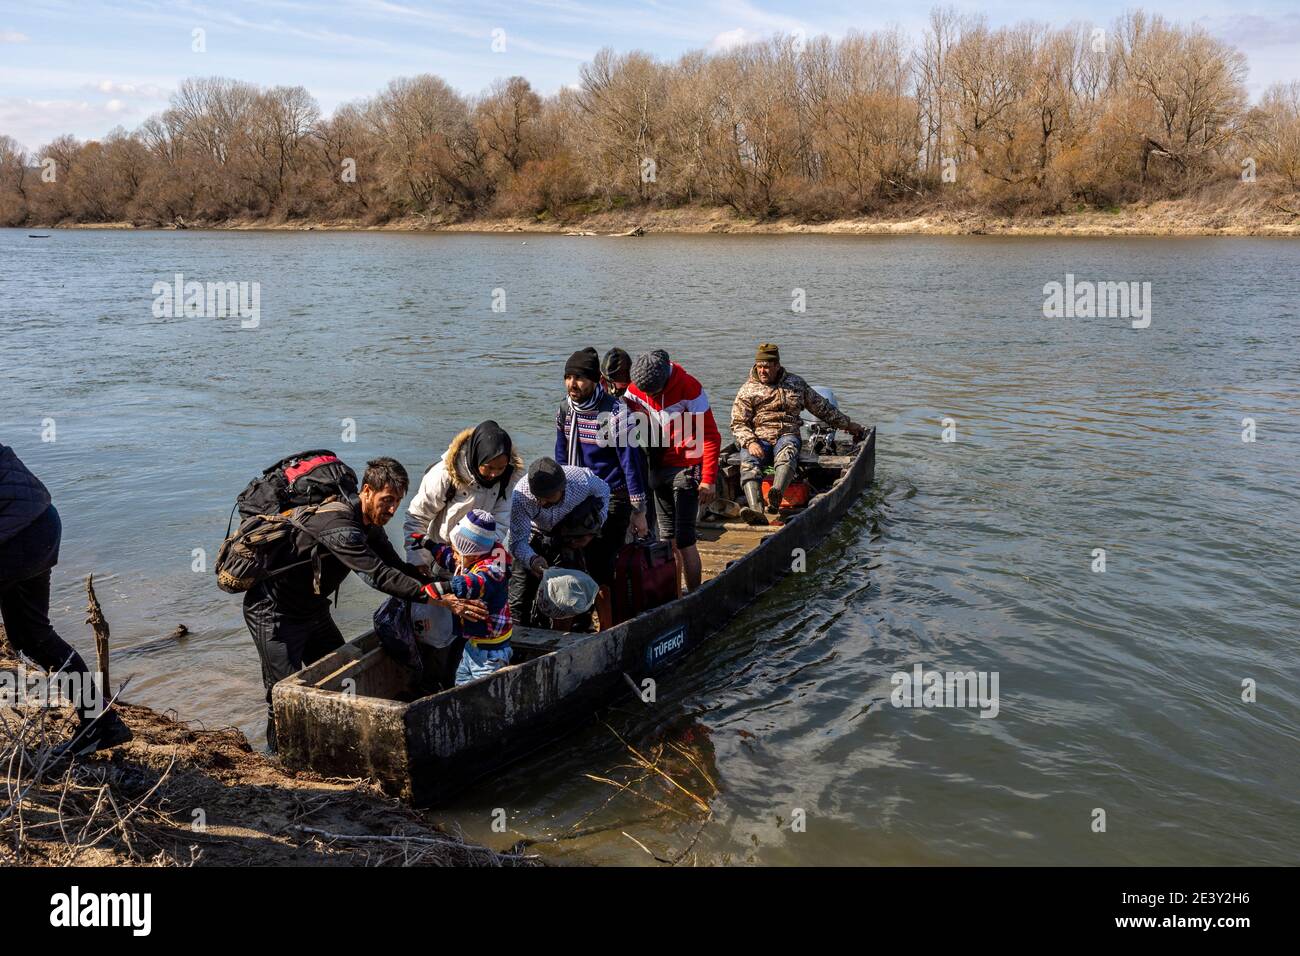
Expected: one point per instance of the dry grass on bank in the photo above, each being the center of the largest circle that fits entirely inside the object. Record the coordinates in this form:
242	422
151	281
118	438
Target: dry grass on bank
180	796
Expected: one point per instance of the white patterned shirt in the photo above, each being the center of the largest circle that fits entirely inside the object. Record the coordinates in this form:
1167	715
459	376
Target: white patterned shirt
527	513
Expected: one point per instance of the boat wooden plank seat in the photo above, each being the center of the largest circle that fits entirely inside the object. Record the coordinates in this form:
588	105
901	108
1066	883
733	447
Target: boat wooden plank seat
756	532
372	671
536	638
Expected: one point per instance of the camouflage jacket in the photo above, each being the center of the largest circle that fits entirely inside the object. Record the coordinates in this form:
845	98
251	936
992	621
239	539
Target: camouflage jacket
770	411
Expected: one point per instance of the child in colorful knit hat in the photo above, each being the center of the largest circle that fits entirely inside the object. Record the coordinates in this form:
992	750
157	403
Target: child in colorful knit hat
480	569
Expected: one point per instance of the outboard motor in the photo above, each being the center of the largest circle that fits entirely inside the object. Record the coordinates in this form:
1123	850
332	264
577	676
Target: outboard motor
821	437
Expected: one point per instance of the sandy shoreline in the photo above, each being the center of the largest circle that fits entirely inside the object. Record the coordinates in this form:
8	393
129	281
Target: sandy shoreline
1166	218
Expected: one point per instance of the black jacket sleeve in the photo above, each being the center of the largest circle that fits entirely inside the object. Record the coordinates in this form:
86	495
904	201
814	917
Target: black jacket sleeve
373	558
380	544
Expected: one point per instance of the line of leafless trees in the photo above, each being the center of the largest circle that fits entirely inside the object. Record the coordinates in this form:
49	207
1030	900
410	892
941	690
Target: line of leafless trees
1027	118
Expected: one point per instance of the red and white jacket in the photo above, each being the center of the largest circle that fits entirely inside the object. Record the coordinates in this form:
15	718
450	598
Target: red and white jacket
682	411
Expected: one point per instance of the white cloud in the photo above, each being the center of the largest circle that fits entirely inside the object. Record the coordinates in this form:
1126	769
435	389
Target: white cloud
733	38
146	90
35	122
1245	29
746	12
13	36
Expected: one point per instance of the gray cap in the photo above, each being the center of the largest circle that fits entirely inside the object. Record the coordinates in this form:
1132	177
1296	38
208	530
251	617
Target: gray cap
650	371
565	593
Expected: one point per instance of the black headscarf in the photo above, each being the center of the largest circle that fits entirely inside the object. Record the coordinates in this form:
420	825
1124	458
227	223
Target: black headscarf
487	442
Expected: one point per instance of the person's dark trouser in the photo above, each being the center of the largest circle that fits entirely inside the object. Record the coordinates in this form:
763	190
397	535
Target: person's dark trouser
25	563
603	551
440	665
677	500
522	591
285	645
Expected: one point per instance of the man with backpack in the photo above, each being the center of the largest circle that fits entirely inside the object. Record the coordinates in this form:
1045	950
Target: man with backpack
287	610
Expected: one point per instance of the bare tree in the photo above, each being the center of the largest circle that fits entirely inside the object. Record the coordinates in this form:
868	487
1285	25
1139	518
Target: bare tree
1034	117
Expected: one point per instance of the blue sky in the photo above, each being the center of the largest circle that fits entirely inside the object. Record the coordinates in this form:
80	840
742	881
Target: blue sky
84	67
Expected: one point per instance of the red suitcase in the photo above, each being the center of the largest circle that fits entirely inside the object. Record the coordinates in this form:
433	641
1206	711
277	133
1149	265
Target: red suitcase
645	576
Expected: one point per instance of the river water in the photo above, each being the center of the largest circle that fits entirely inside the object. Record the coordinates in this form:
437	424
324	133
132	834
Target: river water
1118	690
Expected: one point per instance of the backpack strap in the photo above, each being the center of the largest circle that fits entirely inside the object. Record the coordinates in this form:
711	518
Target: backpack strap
333	504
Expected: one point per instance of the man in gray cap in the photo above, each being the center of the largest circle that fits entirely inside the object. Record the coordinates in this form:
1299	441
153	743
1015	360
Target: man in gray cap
565	595
684	450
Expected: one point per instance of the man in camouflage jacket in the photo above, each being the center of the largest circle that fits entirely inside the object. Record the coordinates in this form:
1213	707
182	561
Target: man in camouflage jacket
765	424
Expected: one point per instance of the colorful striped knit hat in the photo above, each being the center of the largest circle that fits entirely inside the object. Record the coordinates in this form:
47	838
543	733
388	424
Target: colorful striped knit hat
476	533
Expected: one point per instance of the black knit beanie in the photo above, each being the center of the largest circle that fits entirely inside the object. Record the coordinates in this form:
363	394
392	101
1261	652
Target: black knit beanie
585	363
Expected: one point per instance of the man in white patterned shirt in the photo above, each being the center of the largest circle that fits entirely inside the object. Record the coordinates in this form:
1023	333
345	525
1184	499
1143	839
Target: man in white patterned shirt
540	503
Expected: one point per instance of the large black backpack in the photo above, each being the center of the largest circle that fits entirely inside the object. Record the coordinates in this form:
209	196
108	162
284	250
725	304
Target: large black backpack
258	549
307	478
272	507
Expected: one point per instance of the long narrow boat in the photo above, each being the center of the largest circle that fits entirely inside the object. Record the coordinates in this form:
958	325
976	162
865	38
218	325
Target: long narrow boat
353	713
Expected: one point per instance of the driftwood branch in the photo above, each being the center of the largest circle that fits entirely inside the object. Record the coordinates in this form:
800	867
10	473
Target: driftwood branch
95	618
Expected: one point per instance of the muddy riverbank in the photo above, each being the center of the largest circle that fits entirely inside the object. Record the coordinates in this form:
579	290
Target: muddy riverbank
182	795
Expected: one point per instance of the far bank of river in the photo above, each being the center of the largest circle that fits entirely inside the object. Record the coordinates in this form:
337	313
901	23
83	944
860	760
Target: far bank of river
1257	215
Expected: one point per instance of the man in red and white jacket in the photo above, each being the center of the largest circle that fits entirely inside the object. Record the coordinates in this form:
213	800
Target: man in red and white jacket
683	442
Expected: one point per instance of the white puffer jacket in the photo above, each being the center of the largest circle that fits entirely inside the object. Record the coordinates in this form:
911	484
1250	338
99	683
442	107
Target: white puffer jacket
449	491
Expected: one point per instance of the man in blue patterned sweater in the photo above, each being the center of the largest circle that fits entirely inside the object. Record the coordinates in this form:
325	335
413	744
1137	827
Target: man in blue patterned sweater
592	431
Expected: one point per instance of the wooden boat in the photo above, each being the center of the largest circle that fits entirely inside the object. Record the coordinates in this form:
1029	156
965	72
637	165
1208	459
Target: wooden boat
353	713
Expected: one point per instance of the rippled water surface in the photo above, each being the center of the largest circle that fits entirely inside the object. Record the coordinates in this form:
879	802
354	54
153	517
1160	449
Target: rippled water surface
1119	690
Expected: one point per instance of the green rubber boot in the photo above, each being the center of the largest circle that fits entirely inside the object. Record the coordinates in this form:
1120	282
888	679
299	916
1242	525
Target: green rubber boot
783	475
754	498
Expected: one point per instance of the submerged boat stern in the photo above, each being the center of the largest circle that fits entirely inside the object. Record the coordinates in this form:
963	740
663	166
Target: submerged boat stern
337	717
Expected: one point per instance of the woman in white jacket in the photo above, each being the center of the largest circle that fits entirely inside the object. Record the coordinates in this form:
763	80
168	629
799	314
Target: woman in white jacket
479	471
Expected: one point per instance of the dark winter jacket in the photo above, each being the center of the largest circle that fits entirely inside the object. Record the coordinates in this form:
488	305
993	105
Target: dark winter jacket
23	498
348	545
